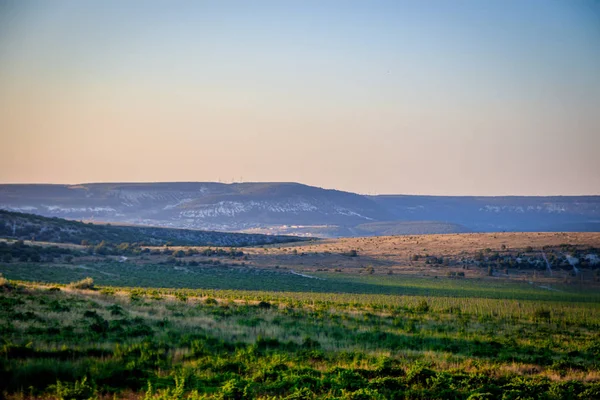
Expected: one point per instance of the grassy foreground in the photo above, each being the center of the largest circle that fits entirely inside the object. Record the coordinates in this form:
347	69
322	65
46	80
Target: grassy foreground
72	342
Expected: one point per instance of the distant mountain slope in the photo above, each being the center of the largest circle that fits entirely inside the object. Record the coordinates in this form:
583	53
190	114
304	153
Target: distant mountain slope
503	213
293	208
28	226
194	205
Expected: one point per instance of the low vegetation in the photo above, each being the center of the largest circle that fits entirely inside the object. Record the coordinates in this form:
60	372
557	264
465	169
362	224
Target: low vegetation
385	318
34	227
68	343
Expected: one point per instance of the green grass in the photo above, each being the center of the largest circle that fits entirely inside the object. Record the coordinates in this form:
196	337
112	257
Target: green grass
182	343
238	277
232	332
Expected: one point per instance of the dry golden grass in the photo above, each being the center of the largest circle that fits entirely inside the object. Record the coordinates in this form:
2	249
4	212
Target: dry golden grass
394	254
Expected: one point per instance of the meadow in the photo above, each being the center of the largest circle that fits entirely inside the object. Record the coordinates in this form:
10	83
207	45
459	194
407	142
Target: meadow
81	341
309	321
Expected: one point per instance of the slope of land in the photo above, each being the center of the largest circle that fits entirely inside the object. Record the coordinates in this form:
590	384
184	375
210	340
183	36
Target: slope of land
28	226
394	228
292	208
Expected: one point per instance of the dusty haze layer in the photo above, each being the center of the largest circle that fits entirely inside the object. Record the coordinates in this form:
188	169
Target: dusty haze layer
482	98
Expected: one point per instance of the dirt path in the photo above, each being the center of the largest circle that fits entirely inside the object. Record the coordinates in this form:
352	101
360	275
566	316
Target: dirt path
305	276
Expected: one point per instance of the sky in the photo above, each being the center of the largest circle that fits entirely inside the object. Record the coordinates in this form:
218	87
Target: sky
440	97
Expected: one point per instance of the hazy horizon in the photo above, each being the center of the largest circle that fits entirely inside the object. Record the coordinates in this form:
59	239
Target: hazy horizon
386	97
299	183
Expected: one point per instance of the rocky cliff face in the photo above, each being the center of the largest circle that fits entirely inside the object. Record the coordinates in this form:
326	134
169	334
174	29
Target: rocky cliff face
294	208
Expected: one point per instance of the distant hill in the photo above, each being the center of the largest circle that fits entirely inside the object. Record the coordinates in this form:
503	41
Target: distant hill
212	206
292	208
28	227
500	213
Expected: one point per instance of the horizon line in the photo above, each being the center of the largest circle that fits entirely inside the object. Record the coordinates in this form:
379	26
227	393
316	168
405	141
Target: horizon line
290	182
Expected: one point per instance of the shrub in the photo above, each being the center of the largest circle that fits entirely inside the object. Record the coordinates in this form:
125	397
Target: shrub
86	283
79	390
309	343
347	379
57	306
233	389
362	394
423	306
176	393
541	313
91	314
264	304
300	394
210	301
179	254
418	373
115	310
4	282
107	291
266	343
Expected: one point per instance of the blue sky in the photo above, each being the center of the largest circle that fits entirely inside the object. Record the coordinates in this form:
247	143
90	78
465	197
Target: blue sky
431	97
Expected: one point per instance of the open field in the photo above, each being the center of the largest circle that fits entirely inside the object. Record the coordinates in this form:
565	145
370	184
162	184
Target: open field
475	316
65	342
396	251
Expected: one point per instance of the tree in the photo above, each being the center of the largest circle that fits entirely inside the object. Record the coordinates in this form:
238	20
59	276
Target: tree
101	248
179	253
352	253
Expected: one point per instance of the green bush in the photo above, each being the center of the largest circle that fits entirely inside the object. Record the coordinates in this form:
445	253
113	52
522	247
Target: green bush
80	390
234	389
422	307
542	313
4	282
